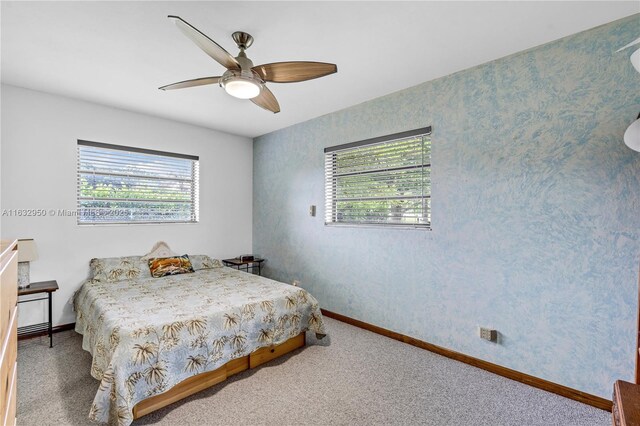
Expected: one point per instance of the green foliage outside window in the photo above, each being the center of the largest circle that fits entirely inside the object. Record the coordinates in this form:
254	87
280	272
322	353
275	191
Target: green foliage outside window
383	183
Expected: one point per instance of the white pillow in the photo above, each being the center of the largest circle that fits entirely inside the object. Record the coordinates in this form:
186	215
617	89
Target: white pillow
160	249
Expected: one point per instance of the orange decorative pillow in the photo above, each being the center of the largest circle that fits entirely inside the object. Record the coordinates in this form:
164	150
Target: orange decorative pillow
163	266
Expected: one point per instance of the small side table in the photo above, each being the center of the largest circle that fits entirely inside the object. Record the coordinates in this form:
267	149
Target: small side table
37	288
244	265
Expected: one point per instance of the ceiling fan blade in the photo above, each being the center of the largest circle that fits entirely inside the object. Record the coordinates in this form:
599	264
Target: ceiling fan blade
266	100
289	72
209	46
191	83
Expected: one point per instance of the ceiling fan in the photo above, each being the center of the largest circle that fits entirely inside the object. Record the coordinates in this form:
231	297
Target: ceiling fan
242	79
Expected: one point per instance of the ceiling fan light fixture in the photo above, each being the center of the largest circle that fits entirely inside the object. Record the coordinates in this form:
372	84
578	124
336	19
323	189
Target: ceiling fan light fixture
632	135
242	79
241	84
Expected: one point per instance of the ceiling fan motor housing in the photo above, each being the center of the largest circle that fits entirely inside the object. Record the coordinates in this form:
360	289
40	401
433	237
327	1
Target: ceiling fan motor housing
245	63
244	83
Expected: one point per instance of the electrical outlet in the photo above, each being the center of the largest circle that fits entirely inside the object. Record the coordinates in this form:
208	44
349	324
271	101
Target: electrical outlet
312	210
488	334
296	283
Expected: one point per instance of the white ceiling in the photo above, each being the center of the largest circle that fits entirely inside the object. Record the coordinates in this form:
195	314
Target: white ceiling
119	53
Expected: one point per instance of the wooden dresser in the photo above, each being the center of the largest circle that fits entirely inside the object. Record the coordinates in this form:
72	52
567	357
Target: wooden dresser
8	330
626	404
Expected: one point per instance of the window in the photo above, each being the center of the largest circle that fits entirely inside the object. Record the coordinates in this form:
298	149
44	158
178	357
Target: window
120	184
381	181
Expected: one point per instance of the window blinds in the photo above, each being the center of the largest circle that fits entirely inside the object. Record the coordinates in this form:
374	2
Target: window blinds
381	181
118	184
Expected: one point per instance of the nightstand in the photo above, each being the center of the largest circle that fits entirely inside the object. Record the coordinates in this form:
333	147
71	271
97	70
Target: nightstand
38	288
244	265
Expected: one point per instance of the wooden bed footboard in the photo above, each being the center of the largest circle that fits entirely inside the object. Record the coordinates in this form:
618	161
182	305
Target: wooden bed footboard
205	380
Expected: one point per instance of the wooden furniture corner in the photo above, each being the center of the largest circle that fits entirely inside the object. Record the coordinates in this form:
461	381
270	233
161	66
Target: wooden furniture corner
8	330
626	404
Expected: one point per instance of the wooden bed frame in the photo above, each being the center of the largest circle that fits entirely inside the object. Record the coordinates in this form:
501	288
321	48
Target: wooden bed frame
205	380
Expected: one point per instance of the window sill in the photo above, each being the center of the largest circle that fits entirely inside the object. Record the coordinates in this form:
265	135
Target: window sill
370	225
88	225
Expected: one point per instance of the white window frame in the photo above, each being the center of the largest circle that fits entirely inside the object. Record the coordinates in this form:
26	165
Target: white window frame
155	161
387	218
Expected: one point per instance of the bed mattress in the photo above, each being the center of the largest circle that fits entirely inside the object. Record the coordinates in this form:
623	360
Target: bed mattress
146	335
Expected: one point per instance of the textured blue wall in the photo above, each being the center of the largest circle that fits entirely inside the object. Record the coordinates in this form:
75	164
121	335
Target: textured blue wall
536	212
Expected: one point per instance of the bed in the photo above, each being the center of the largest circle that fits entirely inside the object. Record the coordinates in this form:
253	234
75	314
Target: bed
156	340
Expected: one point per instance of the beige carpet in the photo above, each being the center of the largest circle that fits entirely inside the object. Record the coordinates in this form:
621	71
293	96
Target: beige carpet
356	378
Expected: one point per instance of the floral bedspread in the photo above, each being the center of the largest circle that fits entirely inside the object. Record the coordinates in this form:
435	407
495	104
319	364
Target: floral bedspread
148	334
